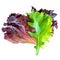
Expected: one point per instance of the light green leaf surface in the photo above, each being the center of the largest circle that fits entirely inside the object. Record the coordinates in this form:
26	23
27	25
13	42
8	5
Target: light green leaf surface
42	23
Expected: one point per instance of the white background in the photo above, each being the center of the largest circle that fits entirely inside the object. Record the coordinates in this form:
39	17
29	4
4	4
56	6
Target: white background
9	51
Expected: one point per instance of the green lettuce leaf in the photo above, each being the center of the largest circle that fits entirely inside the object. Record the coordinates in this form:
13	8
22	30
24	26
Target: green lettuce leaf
42	23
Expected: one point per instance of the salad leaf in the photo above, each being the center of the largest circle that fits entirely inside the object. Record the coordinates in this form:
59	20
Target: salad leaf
42	22
34	28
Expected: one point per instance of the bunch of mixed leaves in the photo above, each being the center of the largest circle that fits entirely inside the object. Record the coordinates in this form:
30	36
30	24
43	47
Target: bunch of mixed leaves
37	27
